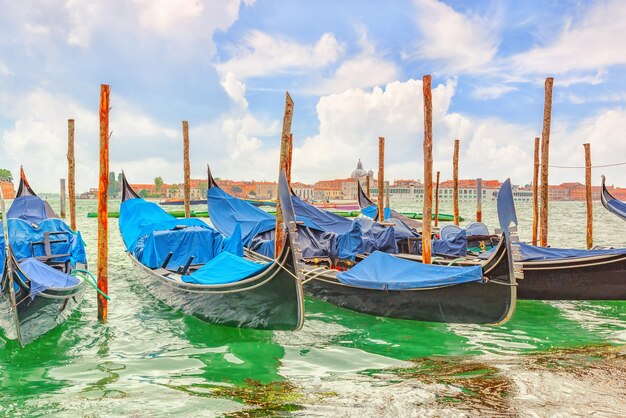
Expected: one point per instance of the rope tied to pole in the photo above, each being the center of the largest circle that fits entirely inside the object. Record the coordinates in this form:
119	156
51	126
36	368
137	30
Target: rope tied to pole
86	274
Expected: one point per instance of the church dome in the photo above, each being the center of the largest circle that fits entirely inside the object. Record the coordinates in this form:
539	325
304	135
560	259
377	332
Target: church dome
359	171
370	173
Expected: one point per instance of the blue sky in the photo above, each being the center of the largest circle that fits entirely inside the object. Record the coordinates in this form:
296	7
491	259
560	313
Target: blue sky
354	69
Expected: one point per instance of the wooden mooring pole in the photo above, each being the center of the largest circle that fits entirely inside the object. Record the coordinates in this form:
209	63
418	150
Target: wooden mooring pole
437	201
381	179
367	185
545	153
455	177
589	196
479	200
387	195
536	192
187	170
103	195
71	173
427	210
62	197
283	164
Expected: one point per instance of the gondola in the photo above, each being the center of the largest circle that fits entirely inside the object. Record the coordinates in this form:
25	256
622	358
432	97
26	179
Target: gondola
612	204
386	285
558	273
39	254
191	267
367	205
566	274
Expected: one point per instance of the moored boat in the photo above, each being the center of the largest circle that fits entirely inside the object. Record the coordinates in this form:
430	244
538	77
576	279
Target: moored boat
189	266
40	256
399	287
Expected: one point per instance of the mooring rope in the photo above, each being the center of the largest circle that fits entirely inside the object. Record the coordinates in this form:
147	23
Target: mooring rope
86	274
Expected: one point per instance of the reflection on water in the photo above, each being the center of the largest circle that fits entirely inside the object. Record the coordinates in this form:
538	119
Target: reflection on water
150	360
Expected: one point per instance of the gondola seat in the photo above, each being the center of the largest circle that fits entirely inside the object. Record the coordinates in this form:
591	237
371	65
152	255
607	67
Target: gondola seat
225	268
43	276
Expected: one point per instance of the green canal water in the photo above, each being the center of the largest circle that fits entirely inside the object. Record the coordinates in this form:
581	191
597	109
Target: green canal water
552	358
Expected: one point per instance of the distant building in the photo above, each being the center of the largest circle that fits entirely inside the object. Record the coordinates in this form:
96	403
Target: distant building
8	189
303	191
266	190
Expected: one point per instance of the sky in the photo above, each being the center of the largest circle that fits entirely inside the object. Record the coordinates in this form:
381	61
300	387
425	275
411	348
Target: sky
353	68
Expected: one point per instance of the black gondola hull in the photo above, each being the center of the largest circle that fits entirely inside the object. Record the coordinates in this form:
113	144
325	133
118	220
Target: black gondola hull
272	300
492	302
591	278
28	319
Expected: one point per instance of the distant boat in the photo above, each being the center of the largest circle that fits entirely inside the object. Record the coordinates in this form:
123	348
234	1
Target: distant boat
178	202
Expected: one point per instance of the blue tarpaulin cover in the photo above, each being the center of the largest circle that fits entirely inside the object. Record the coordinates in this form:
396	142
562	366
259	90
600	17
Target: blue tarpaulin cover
151	234
227	211
257	226
372	212
2	250
382	271
534	253
23	233
30	208
225	268
43	277
323	220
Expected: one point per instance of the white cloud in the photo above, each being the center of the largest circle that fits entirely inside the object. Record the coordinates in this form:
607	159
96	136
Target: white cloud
235	89
596	41
263	54
493	91
458	42
365	70
84	16
164	15
4	70
491	148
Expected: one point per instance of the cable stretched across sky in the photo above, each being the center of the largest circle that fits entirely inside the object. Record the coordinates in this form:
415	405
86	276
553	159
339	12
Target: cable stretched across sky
582	166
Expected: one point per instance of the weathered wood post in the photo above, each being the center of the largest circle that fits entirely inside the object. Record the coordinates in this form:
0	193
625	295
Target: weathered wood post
589	196
283	165
437	201
367	185
455	177
187	170
62	197
103	195
536	193
71	173
387	195
289	159
381	178
545	153
479	200
428	169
